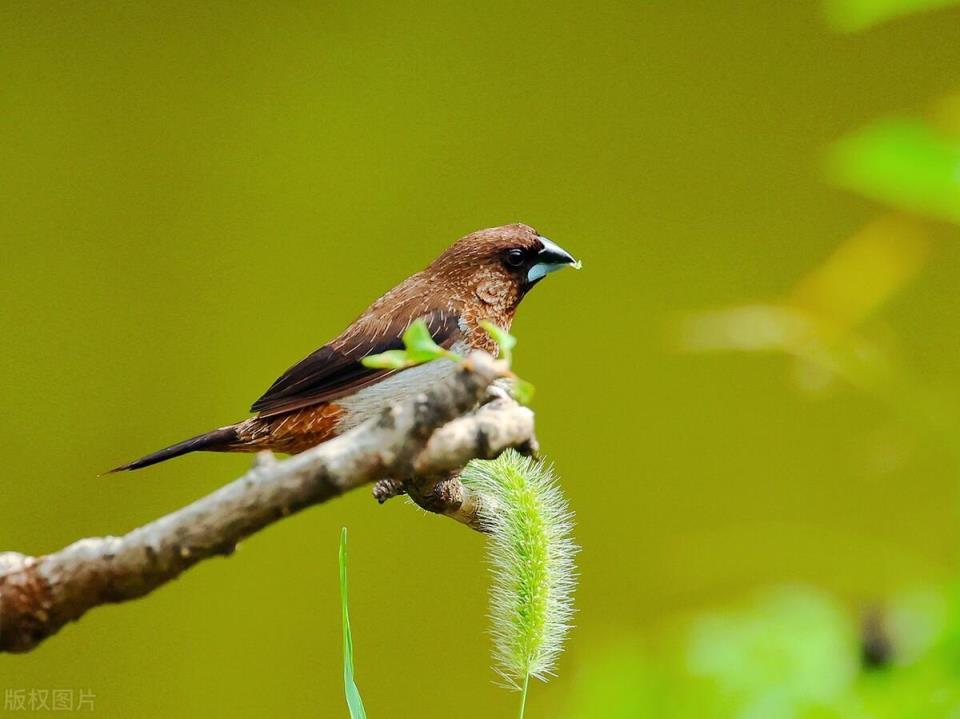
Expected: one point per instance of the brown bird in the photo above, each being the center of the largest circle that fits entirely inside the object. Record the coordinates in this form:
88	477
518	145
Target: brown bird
483	276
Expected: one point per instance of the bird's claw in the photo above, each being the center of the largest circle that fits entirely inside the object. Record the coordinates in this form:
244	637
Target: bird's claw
384	489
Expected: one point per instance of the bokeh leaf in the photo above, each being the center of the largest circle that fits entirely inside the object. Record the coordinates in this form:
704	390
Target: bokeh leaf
863	273
903	162
793	647
853	15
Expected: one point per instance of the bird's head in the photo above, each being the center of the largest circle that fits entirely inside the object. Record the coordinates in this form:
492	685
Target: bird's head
500	264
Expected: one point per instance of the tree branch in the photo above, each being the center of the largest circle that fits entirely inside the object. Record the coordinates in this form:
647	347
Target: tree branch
435	485
426	438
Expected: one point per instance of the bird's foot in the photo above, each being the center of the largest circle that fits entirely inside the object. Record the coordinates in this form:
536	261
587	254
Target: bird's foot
384	489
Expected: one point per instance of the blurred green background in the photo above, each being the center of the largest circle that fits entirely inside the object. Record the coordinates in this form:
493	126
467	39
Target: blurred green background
195	195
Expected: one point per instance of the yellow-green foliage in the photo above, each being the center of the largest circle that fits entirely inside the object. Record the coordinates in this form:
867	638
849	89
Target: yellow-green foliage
531	557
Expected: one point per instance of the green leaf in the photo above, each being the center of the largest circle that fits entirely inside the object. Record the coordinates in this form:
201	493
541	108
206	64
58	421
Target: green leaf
419	348
522	391
505	341
853	15
354	703
391	359
420	345
903	162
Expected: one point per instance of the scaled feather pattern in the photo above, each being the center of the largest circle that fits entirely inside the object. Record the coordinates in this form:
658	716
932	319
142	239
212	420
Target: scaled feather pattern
531	552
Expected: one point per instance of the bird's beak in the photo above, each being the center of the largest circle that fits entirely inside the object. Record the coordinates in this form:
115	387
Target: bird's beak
551	258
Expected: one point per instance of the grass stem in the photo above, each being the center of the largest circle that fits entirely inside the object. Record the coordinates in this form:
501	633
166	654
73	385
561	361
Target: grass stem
523	695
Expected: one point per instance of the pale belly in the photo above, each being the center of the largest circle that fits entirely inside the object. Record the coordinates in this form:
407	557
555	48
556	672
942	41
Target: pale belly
371	401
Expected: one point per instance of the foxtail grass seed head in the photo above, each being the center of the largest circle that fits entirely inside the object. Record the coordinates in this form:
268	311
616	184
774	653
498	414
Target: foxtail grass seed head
531	554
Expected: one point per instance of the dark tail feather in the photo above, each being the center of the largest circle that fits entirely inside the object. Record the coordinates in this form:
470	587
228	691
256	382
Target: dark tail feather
218	439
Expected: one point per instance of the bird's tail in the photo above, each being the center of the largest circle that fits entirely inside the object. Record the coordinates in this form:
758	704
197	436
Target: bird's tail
218	440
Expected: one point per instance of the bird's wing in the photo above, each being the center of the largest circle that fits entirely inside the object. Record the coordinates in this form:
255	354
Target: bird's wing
335	369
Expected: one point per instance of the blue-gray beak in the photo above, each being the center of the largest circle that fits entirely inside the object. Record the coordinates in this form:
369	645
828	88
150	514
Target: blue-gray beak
550	259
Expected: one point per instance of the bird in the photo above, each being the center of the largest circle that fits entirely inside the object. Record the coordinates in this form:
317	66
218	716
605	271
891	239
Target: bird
482	276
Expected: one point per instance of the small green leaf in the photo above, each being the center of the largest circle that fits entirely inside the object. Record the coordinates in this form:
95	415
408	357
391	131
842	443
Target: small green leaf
419	348
522	391
505	341
420	345
354	703
391	359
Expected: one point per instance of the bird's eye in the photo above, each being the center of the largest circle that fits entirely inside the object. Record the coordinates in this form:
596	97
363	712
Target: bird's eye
514	258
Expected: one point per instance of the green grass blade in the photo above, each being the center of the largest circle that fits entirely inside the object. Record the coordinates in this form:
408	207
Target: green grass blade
354	703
